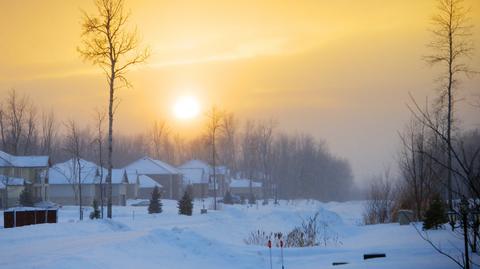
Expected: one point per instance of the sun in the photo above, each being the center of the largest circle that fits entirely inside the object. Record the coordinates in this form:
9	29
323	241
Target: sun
186	107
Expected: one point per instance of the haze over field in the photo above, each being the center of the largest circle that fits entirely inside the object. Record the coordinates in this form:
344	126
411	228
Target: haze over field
339	70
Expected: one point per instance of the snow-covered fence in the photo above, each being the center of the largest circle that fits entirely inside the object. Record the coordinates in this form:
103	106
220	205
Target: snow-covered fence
17	217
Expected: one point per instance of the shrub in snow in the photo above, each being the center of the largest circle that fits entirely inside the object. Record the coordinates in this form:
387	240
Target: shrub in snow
155	205
380	204
435	216
311	232
185	205
228	198
26	198
95	214
261	238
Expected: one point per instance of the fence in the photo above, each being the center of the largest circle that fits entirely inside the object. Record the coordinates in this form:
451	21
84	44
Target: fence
22	217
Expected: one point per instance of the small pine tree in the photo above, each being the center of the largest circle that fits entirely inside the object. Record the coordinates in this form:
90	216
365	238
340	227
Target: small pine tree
251	199
228	198
185	205
95	214
26	197
155	205
435	215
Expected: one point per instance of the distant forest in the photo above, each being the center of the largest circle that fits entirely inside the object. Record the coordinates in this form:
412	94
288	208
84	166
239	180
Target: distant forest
290	166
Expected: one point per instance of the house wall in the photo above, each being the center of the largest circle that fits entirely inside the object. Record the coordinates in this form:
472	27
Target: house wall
65	195
13	196
172	185
146	193
200	190
132	191
221	185
245	192
32	174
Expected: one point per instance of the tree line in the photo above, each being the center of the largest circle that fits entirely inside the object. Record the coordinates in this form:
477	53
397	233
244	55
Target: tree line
289	166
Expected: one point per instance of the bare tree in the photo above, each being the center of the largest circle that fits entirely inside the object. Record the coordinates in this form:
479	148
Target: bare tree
266	132
227	142
75	146
380	201
159	137
451	47
109	44
100	117
214	124
17	124
48	133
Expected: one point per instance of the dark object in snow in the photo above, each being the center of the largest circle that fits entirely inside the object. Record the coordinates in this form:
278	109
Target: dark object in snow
436	215
95	214
374	256
203	211
339	263
17	217
228	198
185	205
155	205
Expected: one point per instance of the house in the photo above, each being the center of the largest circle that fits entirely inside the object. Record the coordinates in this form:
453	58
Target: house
145	186
32	169
169	177
241	187
10	197
199	175
64	183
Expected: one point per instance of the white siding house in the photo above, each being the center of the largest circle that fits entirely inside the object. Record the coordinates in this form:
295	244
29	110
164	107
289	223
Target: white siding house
32	169
169	177
65	179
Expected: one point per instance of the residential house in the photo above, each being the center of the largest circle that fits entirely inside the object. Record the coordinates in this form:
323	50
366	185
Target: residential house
32	169
199	175
169	177
66	179
243	188
145	186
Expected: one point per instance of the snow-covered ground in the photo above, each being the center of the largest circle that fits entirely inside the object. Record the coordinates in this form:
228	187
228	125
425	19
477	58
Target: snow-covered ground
135	239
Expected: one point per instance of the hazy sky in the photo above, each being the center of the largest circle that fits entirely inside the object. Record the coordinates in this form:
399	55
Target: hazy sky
340	70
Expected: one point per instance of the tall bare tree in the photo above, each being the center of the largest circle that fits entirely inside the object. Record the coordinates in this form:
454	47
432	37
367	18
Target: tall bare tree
451	46
214	125
109	44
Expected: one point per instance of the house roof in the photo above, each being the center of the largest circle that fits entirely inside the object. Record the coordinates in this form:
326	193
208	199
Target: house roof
11	181
7	160
244	183
66	173
149	166
147	182
194	176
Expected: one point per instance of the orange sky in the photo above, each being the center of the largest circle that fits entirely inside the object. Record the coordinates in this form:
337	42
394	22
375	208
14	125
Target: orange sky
340	70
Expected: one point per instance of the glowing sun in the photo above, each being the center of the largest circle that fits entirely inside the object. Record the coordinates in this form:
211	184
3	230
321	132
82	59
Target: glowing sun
186	107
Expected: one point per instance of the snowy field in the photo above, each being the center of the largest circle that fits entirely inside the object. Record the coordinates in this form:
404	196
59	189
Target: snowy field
135	239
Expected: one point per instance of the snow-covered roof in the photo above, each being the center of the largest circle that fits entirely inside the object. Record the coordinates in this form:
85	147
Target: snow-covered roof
244	183
7	160
11	181
194	176
67	173
147	182
197	164
149	166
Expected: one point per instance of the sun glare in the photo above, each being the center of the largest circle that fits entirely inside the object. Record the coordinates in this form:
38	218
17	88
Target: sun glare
186	107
